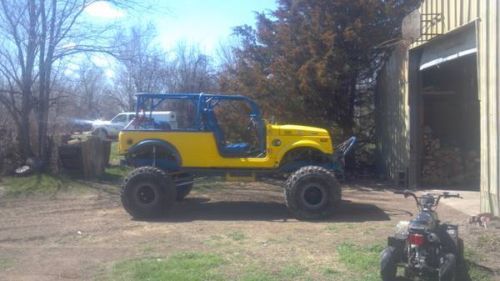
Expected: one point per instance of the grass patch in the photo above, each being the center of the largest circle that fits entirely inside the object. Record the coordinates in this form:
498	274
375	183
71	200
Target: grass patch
363	261
289	272
5	264
209	184
489	241
330	272
115	174
474	270
39	184
114	157
182	267
332	227
237	235
257	275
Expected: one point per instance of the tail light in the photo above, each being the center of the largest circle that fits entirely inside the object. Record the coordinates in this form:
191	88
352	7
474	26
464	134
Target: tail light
416	239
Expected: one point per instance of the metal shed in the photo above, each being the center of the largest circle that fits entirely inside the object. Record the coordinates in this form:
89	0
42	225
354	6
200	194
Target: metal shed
442	80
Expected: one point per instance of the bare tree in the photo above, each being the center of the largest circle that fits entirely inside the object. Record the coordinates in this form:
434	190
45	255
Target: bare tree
142	64
35	34
192	70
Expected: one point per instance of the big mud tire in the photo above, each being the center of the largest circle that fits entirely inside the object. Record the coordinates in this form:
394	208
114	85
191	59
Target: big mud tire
147	192
312	192
388	264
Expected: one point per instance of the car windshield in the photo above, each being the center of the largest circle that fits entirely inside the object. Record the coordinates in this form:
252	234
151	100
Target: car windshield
120	118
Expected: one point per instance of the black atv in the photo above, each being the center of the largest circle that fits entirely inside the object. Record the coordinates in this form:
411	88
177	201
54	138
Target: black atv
424	247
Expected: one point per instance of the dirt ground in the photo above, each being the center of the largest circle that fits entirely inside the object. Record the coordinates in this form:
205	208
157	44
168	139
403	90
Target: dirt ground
78	236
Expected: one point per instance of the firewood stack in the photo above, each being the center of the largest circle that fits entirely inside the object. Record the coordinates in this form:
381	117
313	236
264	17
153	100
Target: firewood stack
441	165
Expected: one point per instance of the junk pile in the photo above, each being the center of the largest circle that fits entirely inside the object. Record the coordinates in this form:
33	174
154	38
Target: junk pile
447	165
85	154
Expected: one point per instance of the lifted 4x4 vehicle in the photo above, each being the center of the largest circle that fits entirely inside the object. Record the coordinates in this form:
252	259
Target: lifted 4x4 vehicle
167	159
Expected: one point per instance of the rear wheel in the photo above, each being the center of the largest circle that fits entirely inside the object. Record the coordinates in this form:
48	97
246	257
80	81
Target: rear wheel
147	192
312	192
388	264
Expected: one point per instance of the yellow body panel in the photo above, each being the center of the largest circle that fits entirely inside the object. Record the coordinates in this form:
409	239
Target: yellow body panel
199	149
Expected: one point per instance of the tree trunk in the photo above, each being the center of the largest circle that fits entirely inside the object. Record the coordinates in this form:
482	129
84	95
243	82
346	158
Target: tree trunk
23	134
346	121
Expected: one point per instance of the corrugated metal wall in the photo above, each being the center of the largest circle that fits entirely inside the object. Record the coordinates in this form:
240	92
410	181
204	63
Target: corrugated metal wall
489	91
439	17
392	133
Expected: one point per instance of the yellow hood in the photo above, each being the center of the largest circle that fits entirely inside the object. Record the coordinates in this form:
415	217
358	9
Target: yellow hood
296	130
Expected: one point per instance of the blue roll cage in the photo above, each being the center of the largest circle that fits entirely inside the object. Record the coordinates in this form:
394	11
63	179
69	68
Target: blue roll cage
150	101
202	101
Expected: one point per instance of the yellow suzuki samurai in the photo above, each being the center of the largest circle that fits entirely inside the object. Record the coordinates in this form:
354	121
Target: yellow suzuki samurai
195	142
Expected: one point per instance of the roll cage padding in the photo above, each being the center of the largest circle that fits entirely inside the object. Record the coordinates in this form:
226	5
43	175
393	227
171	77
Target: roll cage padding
158	143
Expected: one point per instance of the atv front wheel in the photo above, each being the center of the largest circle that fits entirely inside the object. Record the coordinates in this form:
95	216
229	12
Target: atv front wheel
312	192
147	192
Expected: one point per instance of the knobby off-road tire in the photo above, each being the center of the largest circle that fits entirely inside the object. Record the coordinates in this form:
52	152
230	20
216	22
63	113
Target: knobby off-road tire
148	192
312	192
388	264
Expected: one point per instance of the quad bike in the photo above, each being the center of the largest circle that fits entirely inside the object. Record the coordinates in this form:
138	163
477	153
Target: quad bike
425	247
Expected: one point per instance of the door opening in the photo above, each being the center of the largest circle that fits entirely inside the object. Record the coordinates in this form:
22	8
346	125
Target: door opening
449	133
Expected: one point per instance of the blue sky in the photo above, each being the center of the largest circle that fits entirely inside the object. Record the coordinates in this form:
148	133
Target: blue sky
202	22
207	22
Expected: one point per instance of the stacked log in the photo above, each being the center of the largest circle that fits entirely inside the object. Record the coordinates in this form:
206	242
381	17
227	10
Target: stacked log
442	165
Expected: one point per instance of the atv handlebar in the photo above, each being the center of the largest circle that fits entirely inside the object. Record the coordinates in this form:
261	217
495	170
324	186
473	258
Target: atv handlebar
437	197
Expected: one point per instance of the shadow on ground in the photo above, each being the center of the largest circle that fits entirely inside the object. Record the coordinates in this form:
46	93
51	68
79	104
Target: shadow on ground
196	208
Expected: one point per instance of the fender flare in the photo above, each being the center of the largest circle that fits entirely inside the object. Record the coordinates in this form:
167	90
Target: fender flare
159	143
304	144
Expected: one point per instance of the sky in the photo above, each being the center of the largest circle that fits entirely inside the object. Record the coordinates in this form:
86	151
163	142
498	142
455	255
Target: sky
205	23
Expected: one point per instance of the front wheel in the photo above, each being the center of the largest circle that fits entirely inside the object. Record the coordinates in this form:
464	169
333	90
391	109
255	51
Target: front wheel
312	192
388	264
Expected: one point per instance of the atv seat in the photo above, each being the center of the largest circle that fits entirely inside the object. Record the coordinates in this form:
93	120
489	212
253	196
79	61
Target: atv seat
234	149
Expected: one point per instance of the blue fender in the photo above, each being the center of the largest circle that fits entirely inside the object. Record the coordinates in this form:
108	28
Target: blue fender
166	164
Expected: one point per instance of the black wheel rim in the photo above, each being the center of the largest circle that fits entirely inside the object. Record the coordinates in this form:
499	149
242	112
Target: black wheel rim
146	194
313	196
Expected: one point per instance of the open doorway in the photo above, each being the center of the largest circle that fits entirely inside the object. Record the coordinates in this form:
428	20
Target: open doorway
450	125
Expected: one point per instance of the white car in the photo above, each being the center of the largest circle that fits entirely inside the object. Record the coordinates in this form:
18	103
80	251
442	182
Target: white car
110	129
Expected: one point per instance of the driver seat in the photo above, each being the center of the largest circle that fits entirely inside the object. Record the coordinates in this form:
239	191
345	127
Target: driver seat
234	149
